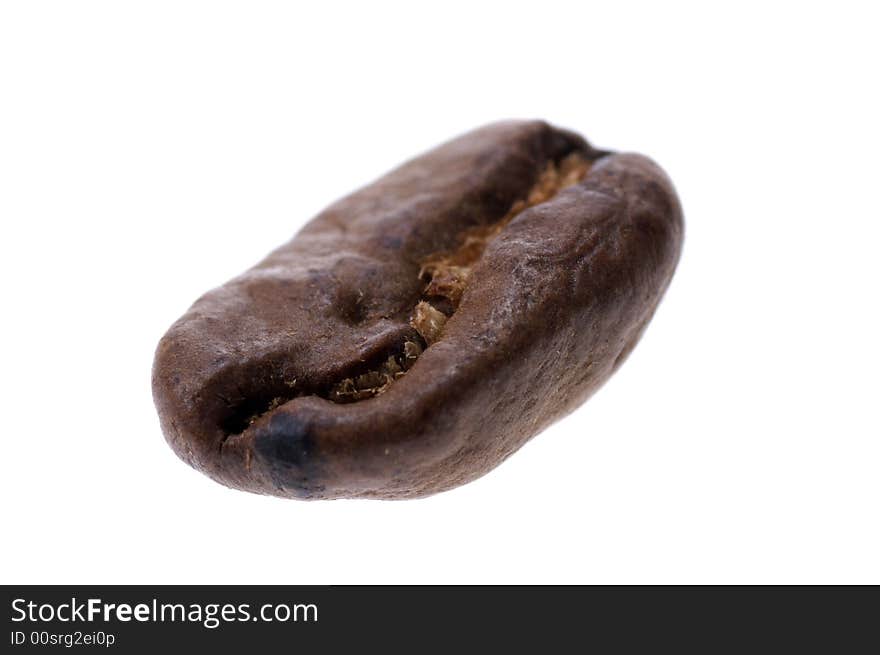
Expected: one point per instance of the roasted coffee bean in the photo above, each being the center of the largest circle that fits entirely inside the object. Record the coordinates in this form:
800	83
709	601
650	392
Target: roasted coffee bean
419	331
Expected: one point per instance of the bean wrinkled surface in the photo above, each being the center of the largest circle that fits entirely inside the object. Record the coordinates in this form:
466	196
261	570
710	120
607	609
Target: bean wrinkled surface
419	331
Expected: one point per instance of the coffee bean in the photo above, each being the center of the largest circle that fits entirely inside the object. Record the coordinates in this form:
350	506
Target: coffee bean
419	331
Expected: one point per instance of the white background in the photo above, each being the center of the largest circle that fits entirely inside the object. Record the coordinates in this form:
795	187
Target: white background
150	151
